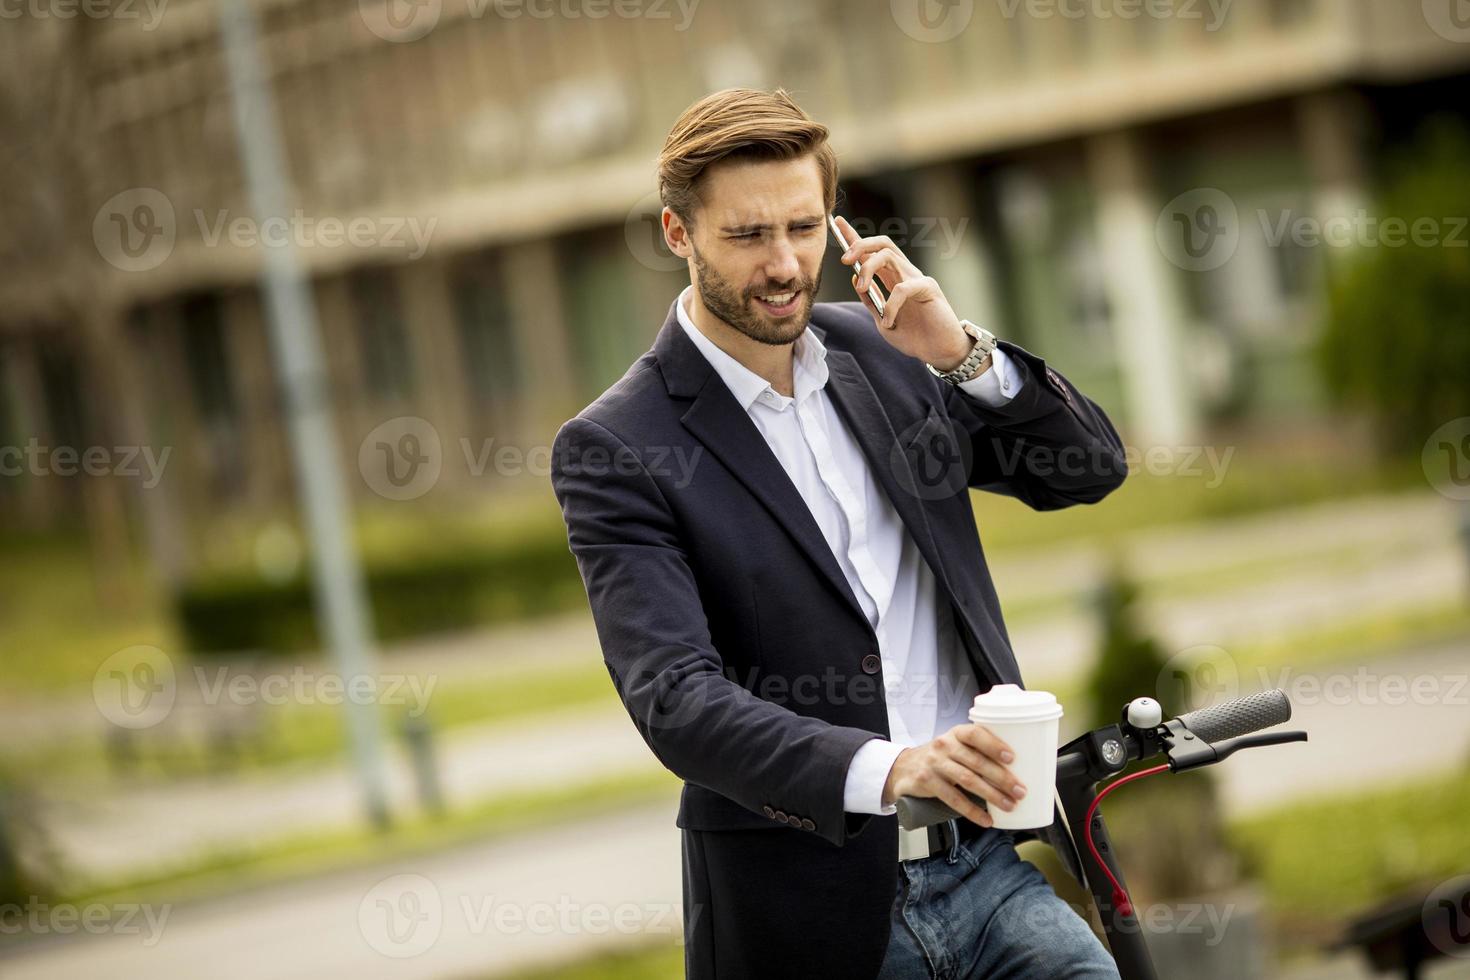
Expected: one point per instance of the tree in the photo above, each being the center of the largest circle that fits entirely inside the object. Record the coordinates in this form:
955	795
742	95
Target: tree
1397	337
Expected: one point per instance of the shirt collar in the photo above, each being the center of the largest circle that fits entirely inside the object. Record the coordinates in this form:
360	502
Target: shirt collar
809	368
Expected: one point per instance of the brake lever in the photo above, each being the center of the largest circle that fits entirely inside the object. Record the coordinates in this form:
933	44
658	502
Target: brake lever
1189	751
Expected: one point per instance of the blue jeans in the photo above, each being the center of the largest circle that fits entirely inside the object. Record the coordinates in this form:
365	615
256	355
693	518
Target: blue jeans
980	911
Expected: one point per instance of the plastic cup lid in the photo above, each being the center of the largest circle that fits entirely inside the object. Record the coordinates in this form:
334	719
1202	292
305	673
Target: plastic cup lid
1010	702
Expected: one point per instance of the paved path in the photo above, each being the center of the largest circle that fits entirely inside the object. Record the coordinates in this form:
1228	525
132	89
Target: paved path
471	912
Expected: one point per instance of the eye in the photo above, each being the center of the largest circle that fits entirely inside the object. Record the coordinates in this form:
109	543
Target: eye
746	235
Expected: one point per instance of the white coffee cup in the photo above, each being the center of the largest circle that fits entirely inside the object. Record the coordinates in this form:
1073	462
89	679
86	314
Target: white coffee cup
1027	721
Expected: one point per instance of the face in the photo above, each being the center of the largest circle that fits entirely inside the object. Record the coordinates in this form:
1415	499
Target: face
756	244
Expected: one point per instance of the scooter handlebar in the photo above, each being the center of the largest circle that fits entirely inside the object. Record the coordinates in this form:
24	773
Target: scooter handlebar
1240	716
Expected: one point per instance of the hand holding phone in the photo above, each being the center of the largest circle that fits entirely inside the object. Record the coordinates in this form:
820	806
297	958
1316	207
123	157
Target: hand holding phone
873	292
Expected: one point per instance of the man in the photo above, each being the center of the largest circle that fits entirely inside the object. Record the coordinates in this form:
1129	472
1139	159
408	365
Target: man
798	614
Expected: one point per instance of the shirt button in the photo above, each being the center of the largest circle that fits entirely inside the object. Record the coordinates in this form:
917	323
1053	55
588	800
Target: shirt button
806	824
794	821
871	663
769	811
781	816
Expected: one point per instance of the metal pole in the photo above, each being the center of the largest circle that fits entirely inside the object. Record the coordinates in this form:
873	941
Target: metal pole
295	344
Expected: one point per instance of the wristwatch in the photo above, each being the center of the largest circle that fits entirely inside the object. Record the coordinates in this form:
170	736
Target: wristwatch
984	344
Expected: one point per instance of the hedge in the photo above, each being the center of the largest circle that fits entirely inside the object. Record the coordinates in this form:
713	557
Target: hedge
410	597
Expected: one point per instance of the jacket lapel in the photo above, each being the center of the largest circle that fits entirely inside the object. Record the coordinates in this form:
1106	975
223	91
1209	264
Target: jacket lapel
716	419
861	408
729	434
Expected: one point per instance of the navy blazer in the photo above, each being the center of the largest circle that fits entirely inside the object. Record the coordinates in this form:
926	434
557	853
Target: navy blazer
735	641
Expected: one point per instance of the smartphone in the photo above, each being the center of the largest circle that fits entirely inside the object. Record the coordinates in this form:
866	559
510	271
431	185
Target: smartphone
873	292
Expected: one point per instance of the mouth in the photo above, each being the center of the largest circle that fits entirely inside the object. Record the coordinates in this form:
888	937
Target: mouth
780	304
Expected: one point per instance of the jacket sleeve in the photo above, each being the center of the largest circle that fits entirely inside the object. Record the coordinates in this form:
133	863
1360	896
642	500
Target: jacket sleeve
655	640
1050	446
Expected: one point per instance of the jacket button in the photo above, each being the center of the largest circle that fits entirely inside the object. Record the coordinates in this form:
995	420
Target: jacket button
871	663
769	811
806	824
780	816
794	820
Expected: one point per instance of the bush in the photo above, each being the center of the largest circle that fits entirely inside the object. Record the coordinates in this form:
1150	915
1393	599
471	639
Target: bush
410	597
1397	337
1167	828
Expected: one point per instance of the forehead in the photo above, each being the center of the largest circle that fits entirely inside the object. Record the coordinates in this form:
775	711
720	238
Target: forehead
762	191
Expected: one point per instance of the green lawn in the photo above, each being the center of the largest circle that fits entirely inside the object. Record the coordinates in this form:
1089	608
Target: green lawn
1324	860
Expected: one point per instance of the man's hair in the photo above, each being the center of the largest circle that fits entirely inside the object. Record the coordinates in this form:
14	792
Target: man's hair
739	123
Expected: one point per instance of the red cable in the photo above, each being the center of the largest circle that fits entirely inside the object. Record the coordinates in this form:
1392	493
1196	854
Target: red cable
1120	897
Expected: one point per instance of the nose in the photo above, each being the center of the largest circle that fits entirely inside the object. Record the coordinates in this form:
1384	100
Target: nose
782	265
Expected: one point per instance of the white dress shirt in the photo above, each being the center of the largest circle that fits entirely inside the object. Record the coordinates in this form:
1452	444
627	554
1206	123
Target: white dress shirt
927	689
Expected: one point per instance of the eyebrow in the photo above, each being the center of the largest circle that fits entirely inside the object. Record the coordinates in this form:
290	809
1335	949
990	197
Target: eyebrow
742	229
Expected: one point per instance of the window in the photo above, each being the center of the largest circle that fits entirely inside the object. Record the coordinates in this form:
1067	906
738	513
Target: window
207	358
387	362
485	333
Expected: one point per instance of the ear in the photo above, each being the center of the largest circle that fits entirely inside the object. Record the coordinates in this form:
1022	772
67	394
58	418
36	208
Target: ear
676	234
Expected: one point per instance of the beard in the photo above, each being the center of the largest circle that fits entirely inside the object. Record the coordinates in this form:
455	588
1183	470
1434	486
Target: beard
738	308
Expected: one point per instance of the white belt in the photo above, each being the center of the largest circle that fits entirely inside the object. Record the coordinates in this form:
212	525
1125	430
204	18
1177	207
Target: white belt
913	844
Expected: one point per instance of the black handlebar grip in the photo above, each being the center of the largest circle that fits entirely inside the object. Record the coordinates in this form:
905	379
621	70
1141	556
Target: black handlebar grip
925	811
1240	716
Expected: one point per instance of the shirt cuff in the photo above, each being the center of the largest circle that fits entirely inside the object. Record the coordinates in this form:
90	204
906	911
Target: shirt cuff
998	385
866	776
